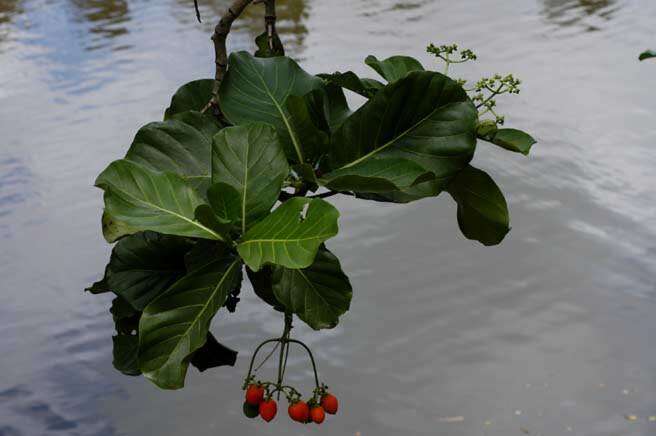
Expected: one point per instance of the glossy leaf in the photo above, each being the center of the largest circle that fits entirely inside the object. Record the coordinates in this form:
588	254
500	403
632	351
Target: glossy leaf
289	237
482	209
377	175
256	89
648	54
213	354
513	140
144	265
319	294
394	68
145	200
176	324
425	117
349	80
226	202
181	145
192	96
250	159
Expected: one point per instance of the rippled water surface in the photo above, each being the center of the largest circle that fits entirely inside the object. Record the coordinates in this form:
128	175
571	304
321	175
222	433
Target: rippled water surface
551	333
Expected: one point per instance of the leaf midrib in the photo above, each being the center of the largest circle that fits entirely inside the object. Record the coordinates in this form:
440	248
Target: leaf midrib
201	312
170	212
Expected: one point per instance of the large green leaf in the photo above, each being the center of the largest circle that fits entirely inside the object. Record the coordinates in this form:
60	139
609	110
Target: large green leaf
377	175
250	159
395	67
425	117
141	199
482	209
291	235
513	140
192	96
262	282
176	324
319	294
180	145
255	89
144	265
349	80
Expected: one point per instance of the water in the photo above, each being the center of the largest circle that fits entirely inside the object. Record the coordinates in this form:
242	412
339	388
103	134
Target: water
547	334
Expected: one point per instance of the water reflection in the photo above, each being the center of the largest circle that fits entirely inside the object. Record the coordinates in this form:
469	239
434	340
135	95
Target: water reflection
108	18
291	17
591	14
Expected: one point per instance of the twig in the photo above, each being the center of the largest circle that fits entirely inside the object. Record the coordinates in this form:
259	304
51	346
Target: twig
197	11
270	21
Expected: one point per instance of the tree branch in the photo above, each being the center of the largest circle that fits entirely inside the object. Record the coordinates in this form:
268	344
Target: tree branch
219	37
270	21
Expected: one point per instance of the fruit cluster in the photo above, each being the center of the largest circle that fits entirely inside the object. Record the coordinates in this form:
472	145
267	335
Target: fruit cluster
259	401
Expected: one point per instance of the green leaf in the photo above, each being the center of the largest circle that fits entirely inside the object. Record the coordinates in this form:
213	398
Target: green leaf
181	145
192	96
250	159
394	68
263	48
349	80
262	282
204	252
145	200
213	354
425	117
319	294
126	317
114	229
377	175
144	265
288	237
255	89
482	209
225	202
309	119
648	54
125	354
513	140
176	324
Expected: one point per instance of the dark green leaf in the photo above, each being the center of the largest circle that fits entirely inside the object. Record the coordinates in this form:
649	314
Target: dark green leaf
192	96
101	286
181	145
425	117
289	237
145	200
176	324
319	294
309	120
648	54
204	252
395	67
513	140
250	159
144	265
482	209
255	89
125	354
264	50
213	354
226	202
377	175
262	282
126	317
349	80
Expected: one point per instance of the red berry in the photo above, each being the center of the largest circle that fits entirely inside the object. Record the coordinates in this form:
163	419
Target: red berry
317	414
268	410
255	394
329	403
299	411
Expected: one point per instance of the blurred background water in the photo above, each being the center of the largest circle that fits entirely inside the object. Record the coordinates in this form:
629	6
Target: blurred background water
547	334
